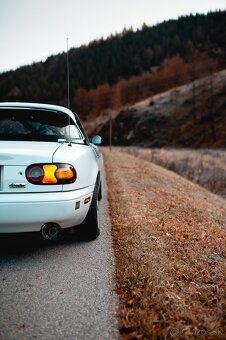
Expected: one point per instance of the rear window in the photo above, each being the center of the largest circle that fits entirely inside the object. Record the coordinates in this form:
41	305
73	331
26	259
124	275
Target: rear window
37	124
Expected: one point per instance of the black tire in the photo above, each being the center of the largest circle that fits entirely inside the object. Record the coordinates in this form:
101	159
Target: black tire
100	192
89	229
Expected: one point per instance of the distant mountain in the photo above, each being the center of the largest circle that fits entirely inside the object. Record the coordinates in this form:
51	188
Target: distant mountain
105	63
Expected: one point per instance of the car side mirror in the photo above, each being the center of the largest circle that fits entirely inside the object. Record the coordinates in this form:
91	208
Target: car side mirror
96	140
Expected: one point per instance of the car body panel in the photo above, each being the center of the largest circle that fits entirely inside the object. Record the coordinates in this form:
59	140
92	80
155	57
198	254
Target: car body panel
26	152
81	157
15	156
14	160
28	212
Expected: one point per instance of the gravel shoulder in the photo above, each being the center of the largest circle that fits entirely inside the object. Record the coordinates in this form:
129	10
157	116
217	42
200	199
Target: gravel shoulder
58	291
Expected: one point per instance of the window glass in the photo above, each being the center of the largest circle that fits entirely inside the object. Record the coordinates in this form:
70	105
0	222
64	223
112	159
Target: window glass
37	124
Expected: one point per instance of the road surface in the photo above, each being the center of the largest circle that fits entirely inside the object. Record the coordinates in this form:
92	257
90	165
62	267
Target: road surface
58	291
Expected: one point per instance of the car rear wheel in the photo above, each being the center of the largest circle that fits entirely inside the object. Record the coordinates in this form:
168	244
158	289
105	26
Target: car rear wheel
90	229
100	192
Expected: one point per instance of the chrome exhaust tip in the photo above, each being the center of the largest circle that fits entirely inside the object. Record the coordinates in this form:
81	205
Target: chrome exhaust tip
50	231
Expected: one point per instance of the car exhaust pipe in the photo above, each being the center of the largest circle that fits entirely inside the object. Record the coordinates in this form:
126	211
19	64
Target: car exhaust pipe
50	231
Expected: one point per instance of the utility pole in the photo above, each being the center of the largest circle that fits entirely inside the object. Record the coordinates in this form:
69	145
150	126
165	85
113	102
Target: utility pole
110	132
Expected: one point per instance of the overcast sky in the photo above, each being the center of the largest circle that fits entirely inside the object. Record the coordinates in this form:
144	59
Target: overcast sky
32	30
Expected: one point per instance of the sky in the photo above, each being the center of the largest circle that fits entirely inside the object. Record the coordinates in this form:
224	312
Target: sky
32	30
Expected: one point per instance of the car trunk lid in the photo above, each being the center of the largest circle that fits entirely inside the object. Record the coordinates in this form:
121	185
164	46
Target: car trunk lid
15	156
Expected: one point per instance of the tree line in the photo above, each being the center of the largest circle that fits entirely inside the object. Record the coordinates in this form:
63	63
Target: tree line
124	67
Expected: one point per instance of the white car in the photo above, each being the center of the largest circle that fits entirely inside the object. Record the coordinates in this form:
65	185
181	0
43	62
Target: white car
50	174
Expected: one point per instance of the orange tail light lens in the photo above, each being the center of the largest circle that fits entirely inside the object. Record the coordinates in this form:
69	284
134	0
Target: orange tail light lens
49	174
55	173
65	173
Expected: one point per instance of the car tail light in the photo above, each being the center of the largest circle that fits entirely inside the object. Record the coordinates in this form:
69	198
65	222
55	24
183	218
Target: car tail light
54	173
36	173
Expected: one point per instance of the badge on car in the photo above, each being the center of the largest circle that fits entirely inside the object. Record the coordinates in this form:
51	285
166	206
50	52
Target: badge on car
17	185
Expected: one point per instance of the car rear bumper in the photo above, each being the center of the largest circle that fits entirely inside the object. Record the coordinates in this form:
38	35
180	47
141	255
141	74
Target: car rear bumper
28	212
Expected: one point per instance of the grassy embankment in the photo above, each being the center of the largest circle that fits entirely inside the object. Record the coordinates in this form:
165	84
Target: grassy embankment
169	241
206	167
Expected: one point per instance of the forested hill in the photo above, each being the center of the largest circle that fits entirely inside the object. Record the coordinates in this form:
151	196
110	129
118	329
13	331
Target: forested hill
117	58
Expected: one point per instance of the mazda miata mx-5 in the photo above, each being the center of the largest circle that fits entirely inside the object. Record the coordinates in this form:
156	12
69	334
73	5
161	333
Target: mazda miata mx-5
50	173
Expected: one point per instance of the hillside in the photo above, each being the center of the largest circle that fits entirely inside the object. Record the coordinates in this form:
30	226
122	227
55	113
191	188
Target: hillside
197	41
169	241
192	115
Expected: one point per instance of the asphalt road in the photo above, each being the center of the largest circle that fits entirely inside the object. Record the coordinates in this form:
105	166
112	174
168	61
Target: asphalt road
58	291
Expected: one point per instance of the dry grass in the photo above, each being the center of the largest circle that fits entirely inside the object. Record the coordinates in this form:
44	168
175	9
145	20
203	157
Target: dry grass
169	240
206	167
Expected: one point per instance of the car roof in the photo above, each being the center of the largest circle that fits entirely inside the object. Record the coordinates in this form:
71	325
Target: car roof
36	106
